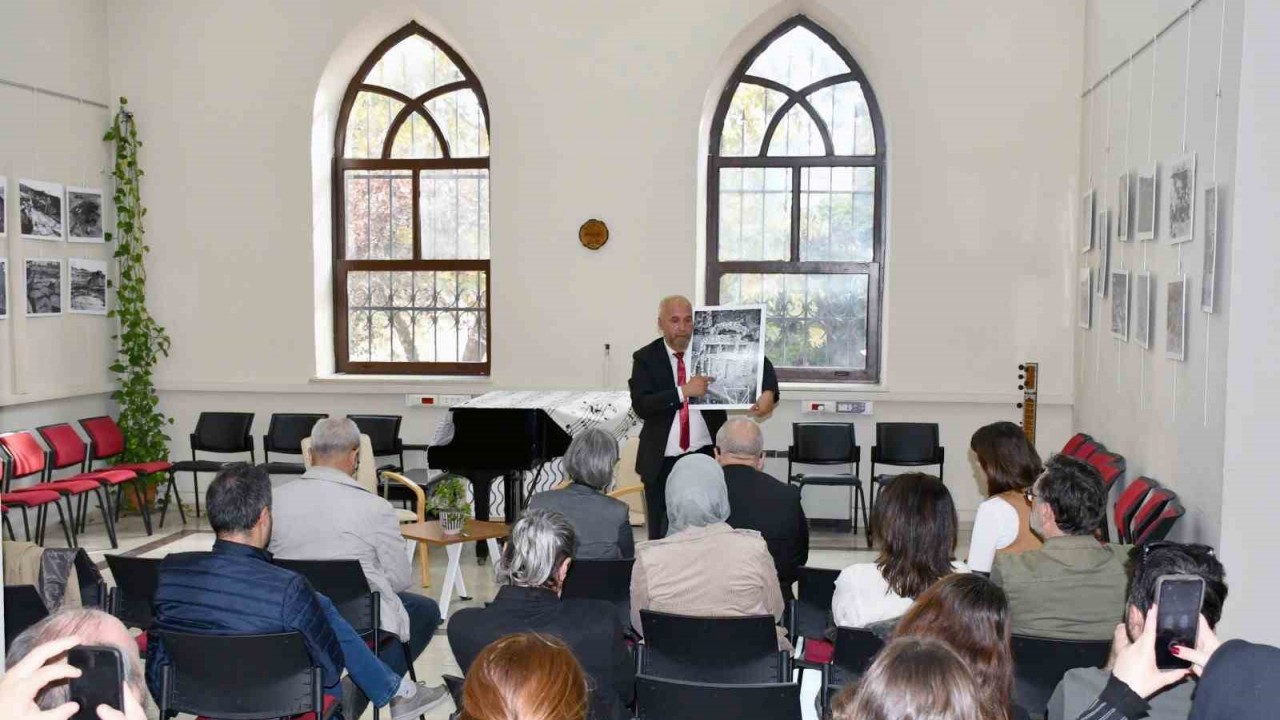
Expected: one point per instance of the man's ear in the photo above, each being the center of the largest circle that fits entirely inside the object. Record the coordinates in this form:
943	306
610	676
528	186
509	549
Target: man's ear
563	571
264	516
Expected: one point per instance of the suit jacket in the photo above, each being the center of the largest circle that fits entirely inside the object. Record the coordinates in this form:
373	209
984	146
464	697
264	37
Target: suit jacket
759	502
656	401
325	515
601	524
589	627
1071	589
235	590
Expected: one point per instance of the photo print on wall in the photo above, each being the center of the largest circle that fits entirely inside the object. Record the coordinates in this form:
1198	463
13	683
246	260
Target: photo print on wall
1122	208
1175	319
1182	199
88	286
1209	280
41	209
1144	201
4	288
1104	252
1087	220
1120	304
1085	298
44	287
84	215
4	208
1142	309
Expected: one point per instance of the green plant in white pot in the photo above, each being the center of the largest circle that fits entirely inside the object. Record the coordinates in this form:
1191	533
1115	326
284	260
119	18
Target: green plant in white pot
449	501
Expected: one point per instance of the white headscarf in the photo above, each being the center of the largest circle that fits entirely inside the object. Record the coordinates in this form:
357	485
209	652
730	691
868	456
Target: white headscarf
696	494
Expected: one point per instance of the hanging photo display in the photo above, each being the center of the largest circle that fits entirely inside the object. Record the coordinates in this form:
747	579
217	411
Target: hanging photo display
1104	251
1182	199
1208	281
84	215
4	288
4	208
1122	208
88	286
1085	298
1087	220
1142	309
41	212
1144	216
43	282
1175	320
1120	304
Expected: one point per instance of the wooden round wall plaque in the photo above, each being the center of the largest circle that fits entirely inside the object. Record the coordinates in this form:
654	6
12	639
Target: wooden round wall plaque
593	234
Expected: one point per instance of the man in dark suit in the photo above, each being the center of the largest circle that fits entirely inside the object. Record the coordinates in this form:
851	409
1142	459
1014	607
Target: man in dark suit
660	391
759	502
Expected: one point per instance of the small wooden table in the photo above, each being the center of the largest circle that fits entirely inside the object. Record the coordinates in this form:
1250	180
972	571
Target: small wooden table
427	534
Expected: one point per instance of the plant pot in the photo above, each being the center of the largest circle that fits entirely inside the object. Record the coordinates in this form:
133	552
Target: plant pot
130	505
452	521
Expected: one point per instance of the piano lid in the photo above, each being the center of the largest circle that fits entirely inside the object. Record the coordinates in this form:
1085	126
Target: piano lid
573	410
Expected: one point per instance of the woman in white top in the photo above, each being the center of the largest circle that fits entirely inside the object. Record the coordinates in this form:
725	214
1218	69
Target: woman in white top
915	529
1011	465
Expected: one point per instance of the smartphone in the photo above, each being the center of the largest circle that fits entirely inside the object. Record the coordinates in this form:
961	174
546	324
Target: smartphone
1178	622
101	680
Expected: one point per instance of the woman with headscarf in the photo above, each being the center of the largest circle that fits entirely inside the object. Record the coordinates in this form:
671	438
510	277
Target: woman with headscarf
703	567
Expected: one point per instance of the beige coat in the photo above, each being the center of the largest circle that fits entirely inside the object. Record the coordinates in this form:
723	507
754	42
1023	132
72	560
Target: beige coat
712	571
325	515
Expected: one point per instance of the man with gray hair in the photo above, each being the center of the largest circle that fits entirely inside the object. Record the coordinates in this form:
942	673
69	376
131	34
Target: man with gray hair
326	515
601	524
759	502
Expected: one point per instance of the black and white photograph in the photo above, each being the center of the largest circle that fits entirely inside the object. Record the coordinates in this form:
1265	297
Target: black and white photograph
1175	319
1208	281
1085	298
728	345
84	215
44	286
1182	199
1087	220
4	207
1144	204
88	286
1104	252
1120	304
4	288
1142	309
1123	216
41	209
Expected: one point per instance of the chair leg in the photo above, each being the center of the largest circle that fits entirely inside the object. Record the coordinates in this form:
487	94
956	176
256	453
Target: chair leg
866	521
9	526
105	507
68	529
139	488
195	478
26	525
41	514
119	500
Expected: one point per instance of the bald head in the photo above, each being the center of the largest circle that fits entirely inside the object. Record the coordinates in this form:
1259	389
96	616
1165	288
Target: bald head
93	627
740	442
674	302
675	320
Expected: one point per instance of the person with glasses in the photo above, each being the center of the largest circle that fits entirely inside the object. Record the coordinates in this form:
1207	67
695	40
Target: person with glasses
1073	588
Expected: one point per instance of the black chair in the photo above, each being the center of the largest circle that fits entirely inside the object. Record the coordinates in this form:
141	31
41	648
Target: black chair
829	443
384	437
284	437
225	433
665	699
454	684
855	649
240	677
22	609
135	590
602	580
1040	663
807	615
737	650
903	444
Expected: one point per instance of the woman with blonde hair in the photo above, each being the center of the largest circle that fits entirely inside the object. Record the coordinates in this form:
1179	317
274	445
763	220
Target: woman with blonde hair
913	678
526	676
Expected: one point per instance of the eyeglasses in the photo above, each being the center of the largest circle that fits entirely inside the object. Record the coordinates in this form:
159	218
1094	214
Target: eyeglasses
1162	544
1030	495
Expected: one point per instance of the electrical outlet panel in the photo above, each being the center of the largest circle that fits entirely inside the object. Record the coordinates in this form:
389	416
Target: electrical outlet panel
435	400
854	407
816	406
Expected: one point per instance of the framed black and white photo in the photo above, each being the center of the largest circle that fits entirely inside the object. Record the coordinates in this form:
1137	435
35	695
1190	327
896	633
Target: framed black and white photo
84	215
1144	203
1182	199
43	282
4	288
728	345
1120	304
1208	281
1175	319
1142	286
1085	298
4	206
1087	220
41	209
1104	252
88	281
1123	218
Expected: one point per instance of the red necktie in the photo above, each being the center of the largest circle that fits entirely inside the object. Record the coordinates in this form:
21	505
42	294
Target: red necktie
684	409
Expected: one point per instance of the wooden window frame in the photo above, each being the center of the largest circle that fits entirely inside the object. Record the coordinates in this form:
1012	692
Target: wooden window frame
342	164
874	270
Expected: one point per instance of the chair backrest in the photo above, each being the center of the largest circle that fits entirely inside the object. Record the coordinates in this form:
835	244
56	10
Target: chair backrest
1040	663
1159	528
105	435
1109	465
1086	449
907	443
238	677
814	590
1152	506
854	651
136	579
383	432
344	583
666	699
286	431
223	432
65	444
454	684
26	457
600	579
366	474
823	443
22	609
1074	443
706	649
1128	503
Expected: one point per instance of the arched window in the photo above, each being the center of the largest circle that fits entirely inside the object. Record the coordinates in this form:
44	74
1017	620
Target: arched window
411	213
795	198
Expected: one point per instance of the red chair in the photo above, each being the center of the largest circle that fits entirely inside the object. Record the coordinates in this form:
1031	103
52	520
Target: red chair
1086	449
25	499
28	459
1074	444
1128	503
106	442
1159	527
1109	465
69	451
1152	508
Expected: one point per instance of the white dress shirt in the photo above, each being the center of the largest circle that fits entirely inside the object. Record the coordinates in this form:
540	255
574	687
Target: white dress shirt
699	436
863	597
994	527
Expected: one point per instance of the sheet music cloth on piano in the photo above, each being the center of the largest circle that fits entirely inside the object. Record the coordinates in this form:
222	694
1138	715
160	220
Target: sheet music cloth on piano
573	410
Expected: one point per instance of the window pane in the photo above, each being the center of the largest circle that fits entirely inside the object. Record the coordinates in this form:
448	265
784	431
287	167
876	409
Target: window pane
415	140
371	115
379	215
748	116
417	316
814	321
797	134
413	67
844	109
837	207
455	214
797	59
459	117
755	214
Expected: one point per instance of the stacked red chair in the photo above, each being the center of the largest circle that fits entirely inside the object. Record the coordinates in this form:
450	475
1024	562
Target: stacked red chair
107	442
69	451
27	459
1151	517
1075	443
1158	528
40	500
1128	504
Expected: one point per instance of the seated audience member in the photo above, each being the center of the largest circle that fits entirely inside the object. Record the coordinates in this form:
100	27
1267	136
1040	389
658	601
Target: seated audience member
526	676
236	590
915	528
1010	464
1080	686
325	514
601	524
1073	588
532	571
912	677
35	682
970	614
761	503
703	567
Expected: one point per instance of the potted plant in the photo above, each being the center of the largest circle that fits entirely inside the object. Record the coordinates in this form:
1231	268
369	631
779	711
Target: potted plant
449	501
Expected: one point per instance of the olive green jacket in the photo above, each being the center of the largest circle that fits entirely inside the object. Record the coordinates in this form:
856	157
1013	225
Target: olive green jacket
1071	589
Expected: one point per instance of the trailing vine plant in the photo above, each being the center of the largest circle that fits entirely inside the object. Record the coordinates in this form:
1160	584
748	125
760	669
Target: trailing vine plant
141	340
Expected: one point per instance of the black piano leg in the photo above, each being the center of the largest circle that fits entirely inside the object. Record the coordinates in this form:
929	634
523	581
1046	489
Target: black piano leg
480	490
